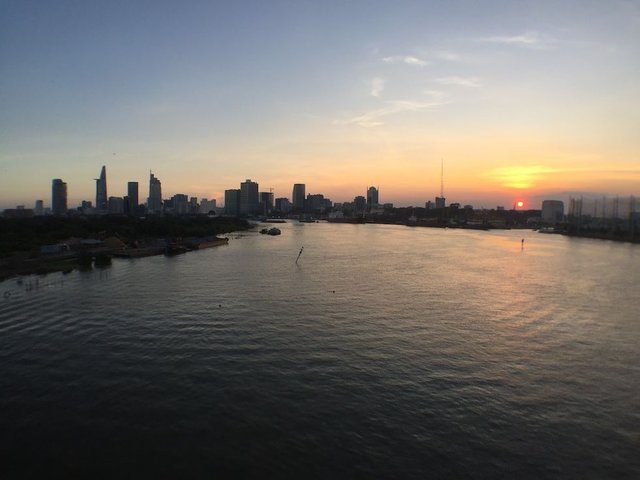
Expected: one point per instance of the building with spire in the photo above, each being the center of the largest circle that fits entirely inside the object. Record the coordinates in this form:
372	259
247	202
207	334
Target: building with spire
102	202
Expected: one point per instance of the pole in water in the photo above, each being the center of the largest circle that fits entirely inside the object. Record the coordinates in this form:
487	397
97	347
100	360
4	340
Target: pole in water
299	254
522	244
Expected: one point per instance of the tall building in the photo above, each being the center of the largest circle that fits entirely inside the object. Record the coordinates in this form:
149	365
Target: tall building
154	202
232	201
552	211
297	198
372	198
266	202
102	203
283	205
116	205
39	208
133	198
58	197
440	202
360	203
249	198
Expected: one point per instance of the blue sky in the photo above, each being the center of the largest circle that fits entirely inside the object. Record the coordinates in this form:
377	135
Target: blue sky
531	99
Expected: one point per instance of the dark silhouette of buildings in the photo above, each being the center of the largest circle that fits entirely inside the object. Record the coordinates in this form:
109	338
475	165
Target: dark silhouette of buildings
249	198
58	197
297	197
232	201
154	202
102	204
133	200
372	198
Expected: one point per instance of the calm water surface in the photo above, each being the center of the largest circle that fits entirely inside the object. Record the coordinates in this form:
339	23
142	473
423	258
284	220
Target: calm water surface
386	352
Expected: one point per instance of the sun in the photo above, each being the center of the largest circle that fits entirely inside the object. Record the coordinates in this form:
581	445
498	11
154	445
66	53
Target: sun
520	204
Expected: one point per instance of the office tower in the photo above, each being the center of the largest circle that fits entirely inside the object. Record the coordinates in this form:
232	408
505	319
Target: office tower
440	202
39	208
232	201
283	205
266	202
102	204
116	205
297	198
360	203
315	203
132	197
58	197
154	202
552	211
249	199
372	198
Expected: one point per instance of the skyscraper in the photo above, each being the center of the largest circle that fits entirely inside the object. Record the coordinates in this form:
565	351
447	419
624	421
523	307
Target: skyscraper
58	197
297	197
249	199
102	204
154	202
232	201
372	198
133	199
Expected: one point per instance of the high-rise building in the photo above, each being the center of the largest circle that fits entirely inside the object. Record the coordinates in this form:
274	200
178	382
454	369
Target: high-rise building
440	202
116	205
283	205
102	204
133	198
297	197
154	202
266	202
232	201
552	211
39	208
372	198
360	203
249	199
58	197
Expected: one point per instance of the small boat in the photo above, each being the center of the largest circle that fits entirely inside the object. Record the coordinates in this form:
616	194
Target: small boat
274	231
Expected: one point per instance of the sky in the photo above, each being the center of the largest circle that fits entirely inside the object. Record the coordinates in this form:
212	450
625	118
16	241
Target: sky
519	100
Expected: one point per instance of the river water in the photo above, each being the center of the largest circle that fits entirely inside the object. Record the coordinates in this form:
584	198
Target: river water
385	352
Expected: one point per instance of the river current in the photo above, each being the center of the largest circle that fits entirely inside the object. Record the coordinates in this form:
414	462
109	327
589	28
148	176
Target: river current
384	352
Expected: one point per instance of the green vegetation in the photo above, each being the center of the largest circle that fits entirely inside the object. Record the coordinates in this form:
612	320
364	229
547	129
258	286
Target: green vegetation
27	234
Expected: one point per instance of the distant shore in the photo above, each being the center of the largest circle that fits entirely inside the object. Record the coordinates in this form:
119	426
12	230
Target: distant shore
45	245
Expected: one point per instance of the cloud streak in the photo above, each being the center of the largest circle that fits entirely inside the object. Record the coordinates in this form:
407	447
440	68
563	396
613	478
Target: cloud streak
374	118
473	82
408	59
530	39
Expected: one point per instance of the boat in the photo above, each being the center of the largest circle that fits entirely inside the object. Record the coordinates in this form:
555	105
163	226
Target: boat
270	231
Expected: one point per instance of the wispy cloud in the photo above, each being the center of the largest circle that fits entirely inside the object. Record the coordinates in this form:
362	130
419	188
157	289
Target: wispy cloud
377	86
373	118
528	39
473	82
408	59
449	56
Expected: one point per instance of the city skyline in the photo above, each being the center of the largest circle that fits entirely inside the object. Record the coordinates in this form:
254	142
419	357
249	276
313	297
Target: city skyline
521	100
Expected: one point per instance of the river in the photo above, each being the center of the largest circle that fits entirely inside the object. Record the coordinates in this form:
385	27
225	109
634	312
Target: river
384	352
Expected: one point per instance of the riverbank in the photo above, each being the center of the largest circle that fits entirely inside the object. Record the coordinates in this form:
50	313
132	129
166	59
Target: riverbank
50	244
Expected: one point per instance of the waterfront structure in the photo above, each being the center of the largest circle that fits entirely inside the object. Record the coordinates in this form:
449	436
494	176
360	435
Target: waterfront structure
297	197
249	198
232	201
58	197
552	211
132	198
102	204
372	198
154	202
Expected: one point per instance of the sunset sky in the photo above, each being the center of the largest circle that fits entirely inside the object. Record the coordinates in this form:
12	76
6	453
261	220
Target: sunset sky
520	100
